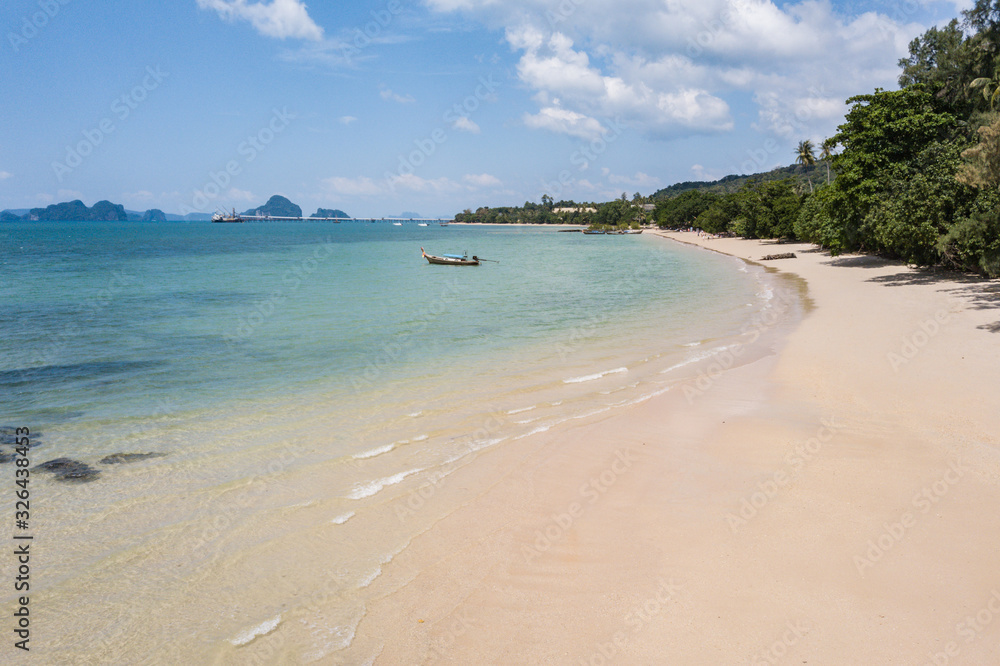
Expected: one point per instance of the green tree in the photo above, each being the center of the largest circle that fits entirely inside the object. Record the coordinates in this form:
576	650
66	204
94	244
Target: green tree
826	154
882	137
684	209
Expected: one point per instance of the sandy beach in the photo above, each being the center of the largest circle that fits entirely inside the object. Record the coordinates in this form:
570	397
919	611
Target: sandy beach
828	501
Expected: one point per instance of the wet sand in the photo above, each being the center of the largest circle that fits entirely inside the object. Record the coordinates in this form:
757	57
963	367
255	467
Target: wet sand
828	498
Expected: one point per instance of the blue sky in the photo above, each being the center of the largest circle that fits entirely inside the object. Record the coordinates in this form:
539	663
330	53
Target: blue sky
430	106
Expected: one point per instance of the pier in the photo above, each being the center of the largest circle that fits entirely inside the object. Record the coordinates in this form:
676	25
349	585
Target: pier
273	218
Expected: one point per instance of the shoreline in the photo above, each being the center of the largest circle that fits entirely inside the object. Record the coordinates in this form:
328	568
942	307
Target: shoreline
825	499
829	495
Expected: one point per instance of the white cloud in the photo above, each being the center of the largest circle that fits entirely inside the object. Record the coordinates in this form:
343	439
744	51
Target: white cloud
360	186
482	180
555	68
241	195
564	121
701	173
69	195
279	18
639	179
140	196
464	124
415	183
4	175
388	95
346	120
672	68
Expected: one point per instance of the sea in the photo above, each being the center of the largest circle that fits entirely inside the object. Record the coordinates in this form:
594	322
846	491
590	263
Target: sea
287	388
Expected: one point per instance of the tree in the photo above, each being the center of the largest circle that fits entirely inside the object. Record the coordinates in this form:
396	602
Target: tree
684	209
826	155
889	139
982	162
804	153
805	157
990	87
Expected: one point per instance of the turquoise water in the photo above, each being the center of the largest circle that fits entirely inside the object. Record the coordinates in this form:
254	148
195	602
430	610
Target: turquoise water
301	374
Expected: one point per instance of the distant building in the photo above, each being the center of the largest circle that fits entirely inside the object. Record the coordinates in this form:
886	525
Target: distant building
574	210
649	208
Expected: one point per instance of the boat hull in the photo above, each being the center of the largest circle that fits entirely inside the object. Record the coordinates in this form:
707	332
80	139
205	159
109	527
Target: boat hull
446	261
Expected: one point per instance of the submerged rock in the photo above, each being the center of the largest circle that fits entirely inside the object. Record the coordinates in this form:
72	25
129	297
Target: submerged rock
9	436
7	458
67	469
117	458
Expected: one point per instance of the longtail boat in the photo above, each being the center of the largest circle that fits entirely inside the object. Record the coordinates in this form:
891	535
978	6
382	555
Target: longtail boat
451	259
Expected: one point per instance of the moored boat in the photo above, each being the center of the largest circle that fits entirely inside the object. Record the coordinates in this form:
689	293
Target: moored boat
451	259
224	217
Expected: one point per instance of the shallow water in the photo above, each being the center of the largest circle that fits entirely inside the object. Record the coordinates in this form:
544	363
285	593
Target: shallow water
300	379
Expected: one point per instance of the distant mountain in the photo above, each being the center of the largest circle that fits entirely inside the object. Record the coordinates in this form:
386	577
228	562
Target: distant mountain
408	214
76	210
276	206
102	210
731	183
329	212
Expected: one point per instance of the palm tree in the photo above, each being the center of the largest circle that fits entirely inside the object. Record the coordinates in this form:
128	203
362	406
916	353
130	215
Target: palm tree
988	84
805	157
827	154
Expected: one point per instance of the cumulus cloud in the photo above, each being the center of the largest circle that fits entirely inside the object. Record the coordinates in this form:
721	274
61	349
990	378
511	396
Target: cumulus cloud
675	68
388	95
346	120
241	195
482	180
4	175
639	180
360	186
553	66
465	124
415	183
564	121
278	18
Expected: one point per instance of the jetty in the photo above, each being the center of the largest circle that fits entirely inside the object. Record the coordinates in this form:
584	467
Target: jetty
275	218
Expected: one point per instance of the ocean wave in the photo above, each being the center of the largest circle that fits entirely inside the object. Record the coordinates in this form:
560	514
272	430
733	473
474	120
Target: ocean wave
340	520
370	578
371	453
523	409
588	378
419	438
262	629
363	490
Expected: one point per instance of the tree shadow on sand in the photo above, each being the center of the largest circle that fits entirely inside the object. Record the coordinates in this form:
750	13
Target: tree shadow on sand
980	293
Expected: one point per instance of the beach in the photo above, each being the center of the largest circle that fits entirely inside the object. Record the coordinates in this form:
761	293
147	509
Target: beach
831	502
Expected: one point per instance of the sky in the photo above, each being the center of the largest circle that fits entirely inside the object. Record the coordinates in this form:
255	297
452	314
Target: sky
424	106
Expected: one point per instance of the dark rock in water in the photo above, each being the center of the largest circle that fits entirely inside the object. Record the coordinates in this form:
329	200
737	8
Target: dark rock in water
10	439
116	458
7	458
66	469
